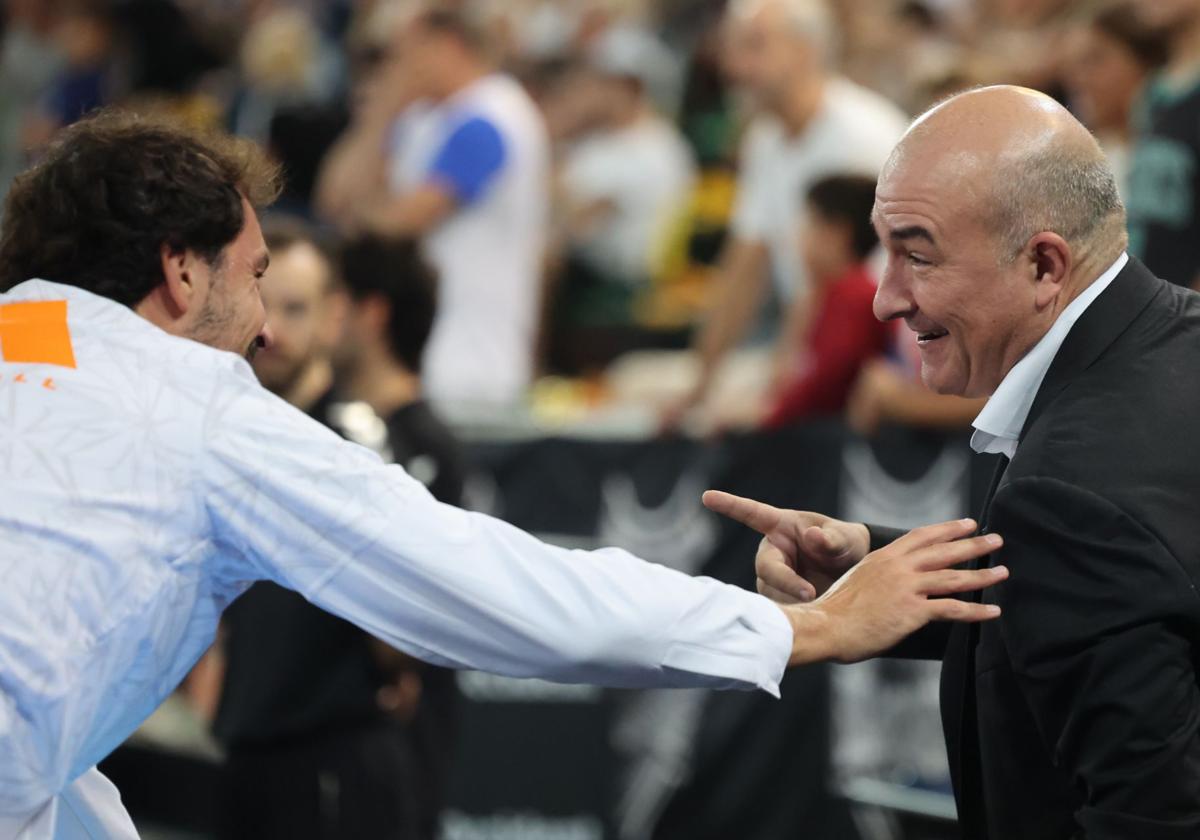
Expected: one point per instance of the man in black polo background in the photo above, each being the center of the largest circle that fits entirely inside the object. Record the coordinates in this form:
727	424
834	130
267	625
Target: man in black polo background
328	731
391	299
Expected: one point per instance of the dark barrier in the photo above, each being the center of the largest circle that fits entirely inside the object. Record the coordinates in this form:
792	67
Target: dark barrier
685	764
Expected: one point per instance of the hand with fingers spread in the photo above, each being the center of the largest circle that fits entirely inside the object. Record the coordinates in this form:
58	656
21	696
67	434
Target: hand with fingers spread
870	602
802	553
897	590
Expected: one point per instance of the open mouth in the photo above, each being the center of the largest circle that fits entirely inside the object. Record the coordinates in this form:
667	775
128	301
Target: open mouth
930	336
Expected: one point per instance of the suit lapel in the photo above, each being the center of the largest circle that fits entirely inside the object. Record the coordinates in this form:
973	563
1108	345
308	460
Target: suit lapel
958	697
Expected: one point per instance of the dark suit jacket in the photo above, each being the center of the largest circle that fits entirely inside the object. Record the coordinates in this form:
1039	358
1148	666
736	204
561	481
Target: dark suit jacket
1077	713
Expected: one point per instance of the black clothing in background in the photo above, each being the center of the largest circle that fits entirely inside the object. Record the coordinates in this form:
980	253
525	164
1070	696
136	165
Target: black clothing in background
340	785
293	669
1076	714
427	450
423	445
299	712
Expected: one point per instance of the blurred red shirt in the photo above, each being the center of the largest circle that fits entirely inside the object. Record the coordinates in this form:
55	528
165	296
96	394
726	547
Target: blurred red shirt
843	336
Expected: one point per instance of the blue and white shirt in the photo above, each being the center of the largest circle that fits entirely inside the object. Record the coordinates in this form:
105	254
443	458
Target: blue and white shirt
487	144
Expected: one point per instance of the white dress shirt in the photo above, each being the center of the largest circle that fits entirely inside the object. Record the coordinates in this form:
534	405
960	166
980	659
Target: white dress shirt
146	483
998	426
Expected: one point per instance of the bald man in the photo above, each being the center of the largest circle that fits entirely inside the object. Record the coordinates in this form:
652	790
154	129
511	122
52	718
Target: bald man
1077	713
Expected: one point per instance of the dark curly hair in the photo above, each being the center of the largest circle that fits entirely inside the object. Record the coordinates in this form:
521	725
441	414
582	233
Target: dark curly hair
114	188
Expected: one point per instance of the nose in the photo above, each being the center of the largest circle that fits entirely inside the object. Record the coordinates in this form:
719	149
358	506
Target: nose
892	297
266	338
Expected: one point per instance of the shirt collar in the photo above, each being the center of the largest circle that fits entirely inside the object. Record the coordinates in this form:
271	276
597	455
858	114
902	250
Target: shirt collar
998	426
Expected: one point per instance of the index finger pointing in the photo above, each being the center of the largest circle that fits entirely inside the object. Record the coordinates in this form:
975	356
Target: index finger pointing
761	517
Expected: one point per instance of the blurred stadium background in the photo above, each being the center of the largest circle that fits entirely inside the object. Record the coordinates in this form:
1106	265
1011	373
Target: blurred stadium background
645	222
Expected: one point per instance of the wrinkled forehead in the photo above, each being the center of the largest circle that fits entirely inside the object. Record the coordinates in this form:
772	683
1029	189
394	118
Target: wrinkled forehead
958	179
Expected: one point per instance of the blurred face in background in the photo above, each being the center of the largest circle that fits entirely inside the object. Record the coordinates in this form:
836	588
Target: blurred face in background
425	59
826	245
84	36
1025	12
363	332
1102	77
765	56
1169	13
303	313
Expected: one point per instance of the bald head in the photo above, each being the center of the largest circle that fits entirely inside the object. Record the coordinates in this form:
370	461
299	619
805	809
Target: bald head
810	19
1022	162
774	43
997	209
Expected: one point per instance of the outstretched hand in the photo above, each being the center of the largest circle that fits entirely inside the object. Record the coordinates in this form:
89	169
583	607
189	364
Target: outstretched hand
867	603
897	590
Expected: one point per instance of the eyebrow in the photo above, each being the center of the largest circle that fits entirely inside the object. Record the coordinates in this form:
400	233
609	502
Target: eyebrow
911	232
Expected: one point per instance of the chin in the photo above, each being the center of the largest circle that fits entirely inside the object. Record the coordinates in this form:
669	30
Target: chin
942	383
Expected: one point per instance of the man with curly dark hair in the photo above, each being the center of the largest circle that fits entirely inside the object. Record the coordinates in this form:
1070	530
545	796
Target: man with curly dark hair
147	479
122	204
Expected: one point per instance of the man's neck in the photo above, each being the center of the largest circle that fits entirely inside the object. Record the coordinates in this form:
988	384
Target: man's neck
802	104
313	383
1091	267
384	385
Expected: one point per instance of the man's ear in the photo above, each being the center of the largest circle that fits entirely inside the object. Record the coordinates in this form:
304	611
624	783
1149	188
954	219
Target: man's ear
1052	262
179	290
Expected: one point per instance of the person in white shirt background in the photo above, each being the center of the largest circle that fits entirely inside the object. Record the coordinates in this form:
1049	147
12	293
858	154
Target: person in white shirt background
623	181
810	123
629	176
149	479
447	149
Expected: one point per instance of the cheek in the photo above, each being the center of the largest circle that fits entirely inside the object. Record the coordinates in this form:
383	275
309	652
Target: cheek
252	313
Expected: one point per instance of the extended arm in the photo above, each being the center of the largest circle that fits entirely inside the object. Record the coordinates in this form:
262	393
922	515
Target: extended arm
369	543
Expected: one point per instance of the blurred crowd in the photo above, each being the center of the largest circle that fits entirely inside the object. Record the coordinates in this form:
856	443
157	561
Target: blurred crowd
650	212
646	216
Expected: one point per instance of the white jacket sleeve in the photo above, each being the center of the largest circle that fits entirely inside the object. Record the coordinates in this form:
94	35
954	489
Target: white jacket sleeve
292	502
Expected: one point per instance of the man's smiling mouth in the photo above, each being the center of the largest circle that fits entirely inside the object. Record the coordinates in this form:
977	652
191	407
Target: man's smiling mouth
931	335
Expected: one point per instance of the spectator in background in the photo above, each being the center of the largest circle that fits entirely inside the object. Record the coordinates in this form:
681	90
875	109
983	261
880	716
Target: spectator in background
811	123
622	186
30	61
392	302
1109	55
310	751
85	32
1164	181
285	64
844	333
447	150
631	173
